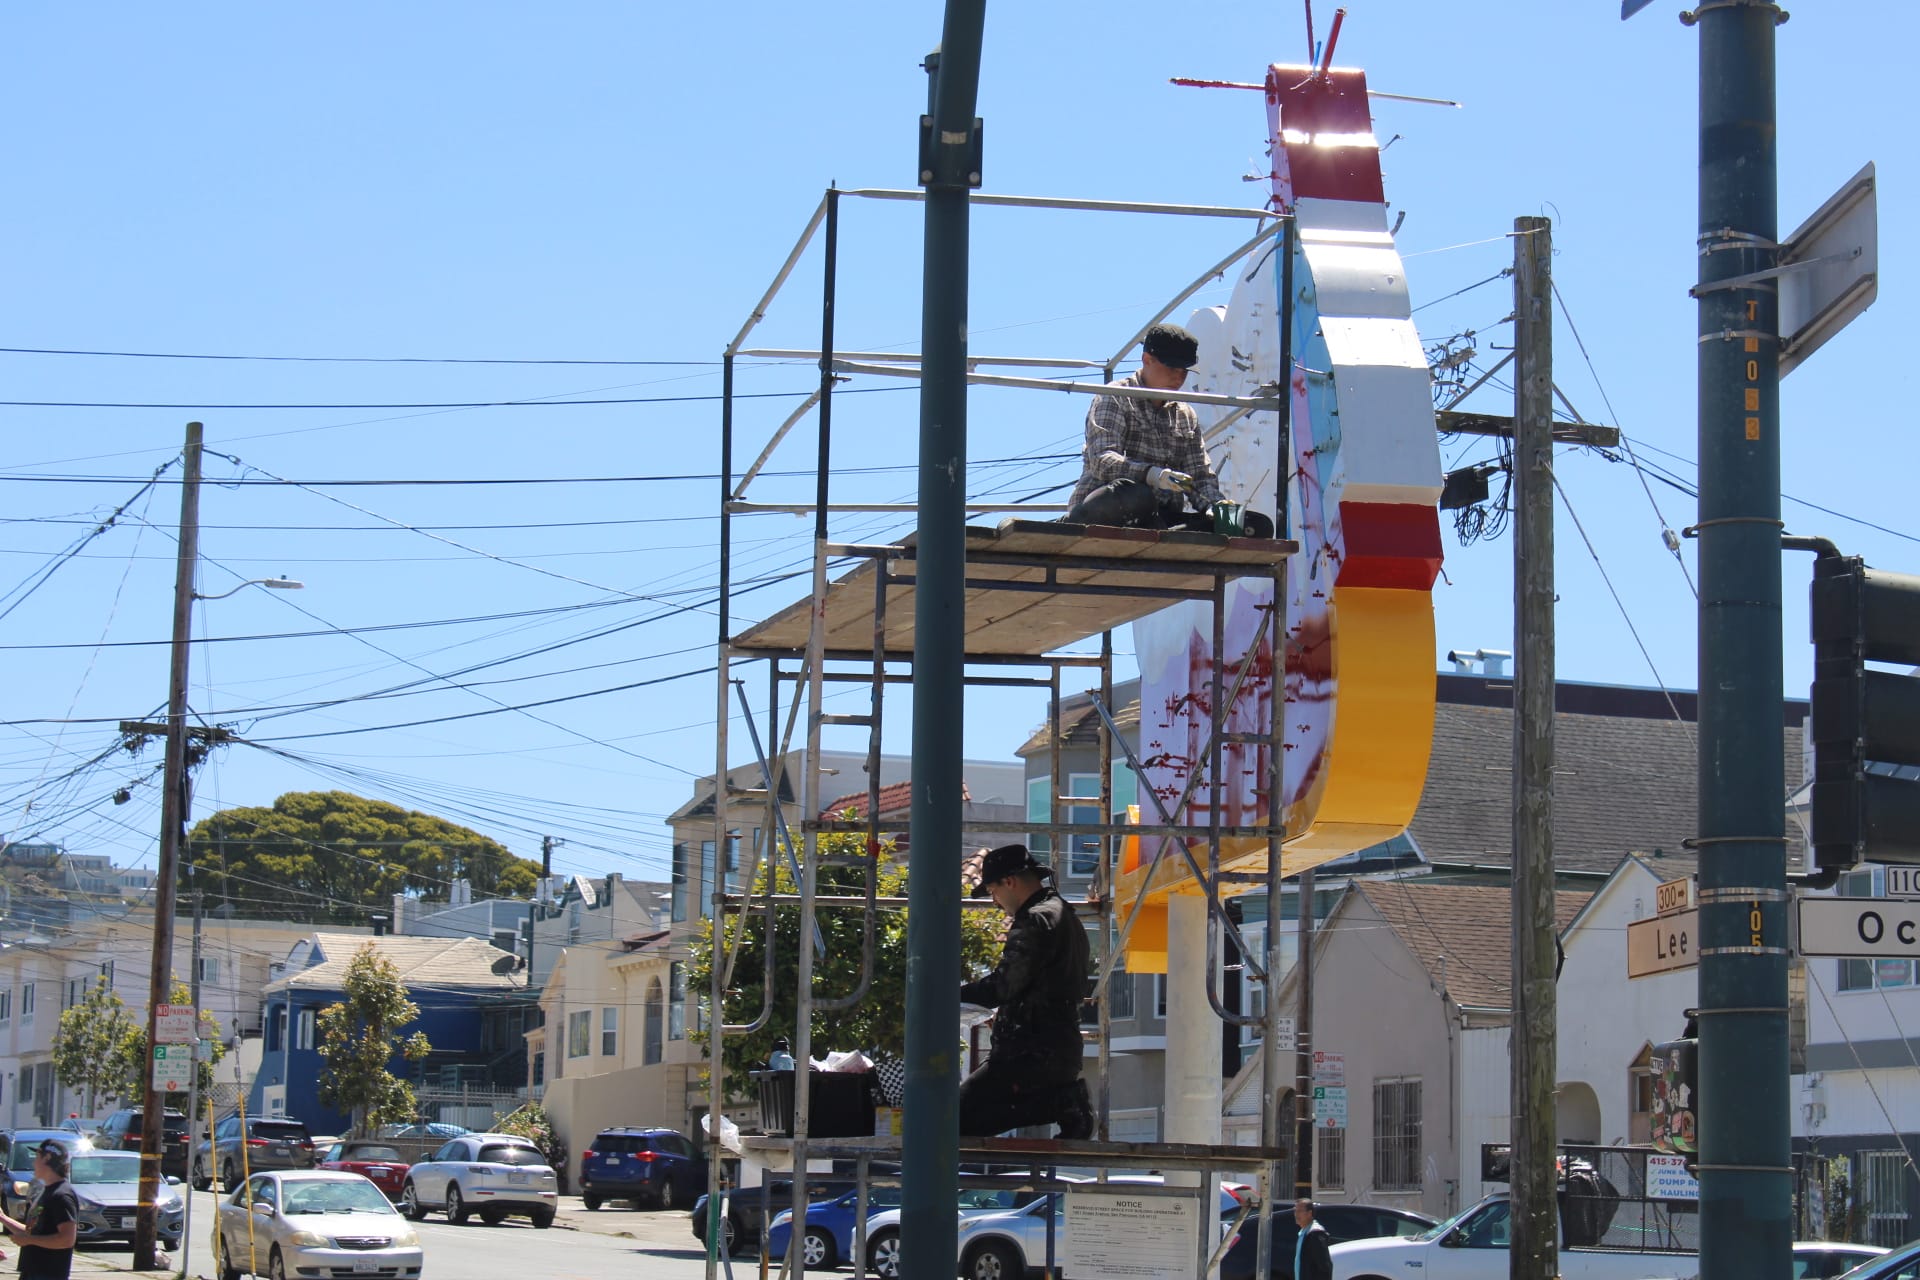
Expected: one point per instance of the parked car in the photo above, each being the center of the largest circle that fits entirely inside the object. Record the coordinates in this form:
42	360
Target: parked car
656	1165
1823	1259
828	1238
122	1132
377	1162
1342	1222
1003	1246
740	1229
1478	1239
883	1228
492	1174
84	1126
269	1145
432	1130
108	1186
17	1147
312	1222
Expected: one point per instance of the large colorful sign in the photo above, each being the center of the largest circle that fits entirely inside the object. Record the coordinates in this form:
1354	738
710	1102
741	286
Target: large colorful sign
1364	488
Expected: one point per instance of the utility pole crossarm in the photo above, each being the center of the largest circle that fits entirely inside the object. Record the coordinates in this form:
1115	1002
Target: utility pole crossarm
1592	434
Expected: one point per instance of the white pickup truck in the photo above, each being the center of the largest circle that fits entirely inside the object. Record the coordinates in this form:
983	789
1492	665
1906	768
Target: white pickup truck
1472	1245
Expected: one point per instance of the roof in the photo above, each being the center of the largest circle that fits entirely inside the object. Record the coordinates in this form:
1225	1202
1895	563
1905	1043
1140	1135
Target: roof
895	799
1625	767
1461	934
1080	723
435	962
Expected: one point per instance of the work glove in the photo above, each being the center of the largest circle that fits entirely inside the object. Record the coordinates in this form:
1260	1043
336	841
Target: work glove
1168	480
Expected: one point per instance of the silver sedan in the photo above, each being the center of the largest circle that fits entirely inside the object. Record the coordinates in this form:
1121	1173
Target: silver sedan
313	1222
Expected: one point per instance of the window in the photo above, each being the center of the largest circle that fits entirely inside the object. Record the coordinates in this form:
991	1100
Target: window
76	992
1396	1135
677	1001
652	1048
1880	1176
1866	975
680	888
6	1005
1083	852
276	1030
1120	993
1160	995
106	973
704	890
209	968
609	1032
303	1030
580	1034
1491	1228
26	1001
1330	1158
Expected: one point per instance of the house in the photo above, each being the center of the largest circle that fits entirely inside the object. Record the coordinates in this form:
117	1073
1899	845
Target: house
896	803
42	978
496	920
1856	1118
451	979
578	910
1413	991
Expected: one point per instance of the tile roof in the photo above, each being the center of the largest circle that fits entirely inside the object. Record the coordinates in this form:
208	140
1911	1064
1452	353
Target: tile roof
1461	934
423	962
895	800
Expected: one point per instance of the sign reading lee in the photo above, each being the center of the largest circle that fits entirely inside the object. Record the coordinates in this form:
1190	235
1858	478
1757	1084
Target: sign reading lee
1663	943
1862	928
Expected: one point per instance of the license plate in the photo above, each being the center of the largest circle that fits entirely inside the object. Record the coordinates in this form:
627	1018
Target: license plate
519	1177
366	1264
282	1151
613	1161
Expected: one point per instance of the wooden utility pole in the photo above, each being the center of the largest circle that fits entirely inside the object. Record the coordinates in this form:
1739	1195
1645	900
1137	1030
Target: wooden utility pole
193	1086
173	817
1303	1039
1534	1177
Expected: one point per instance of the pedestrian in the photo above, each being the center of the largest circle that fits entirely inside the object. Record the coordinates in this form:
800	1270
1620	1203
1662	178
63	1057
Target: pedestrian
1032	1074
1311	1261
51	1227
1145	459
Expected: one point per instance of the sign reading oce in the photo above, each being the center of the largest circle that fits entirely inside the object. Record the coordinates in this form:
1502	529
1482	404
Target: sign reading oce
1861	928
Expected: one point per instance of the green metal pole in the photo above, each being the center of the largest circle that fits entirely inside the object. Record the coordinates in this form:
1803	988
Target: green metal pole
929	1231
1746	1185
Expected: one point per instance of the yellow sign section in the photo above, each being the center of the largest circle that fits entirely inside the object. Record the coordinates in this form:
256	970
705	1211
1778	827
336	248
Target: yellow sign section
1673	895
1663	944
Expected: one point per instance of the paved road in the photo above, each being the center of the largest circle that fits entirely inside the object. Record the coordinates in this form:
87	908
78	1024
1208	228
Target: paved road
609	1244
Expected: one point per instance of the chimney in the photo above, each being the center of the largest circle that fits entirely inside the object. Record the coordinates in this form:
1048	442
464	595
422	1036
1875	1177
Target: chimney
461	894
379	924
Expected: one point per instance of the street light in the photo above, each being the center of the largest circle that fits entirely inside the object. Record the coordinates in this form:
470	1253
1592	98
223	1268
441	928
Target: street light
278	584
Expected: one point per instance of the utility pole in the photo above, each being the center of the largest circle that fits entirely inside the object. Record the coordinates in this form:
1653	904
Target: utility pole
173	817
1534	1176
193	1090
949	169
1303	1025
1746	1175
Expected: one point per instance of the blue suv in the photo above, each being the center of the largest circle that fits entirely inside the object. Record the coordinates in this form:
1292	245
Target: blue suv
658	1166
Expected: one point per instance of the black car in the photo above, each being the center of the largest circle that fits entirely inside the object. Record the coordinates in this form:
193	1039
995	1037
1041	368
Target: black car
122	1132
657	1166
1342	1221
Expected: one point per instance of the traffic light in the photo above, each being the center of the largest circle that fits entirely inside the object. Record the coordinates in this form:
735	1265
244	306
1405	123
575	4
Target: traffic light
1675	1066
1864	717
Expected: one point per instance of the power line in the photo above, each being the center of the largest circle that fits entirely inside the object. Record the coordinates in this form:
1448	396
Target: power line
202	406
176	355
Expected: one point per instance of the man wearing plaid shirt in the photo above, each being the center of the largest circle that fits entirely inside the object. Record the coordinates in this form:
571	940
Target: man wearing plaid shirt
1146	458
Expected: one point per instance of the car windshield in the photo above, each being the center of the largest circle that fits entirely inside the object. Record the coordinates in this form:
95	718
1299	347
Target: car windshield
370	1153
108	1166
1904	1259
330	1196
1441	1228
503	1153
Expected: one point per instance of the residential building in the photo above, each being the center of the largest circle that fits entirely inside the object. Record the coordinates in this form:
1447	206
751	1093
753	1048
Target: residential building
580	910
451	979
495	920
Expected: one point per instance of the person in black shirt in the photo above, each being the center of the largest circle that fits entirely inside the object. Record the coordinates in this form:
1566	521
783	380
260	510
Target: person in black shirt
1032	1074
47	1237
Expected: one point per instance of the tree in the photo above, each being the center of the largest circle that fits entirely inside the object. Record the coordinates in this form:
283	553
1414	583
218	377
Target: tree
360	1035
90	1049
334	855
133	1063
879	1019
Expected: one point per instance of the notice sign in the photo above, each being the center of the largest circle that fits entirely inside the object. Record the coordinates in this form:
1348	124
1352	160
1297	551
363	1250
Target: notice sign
1130	1237
175	1024
1668	1179
1330	1106
172	1067
1329	1068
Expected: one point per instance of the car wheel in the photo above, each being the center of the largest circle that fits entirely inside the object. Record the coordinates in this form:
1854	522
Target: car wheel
994	1261
817	1251
663	1198
229	1179
410	1202
276	1265
200	1180
456	1205
542	1219
493	1216
883	1255
592	1202
227	1270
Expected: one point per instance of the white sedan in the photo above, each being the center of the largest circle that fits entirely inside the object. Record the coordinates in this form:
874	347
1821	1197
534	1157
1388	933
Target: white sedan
491	1174
312	1222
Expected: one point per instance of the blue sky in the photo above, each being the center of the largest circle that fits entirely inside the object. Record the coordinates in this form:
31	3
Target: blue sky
617	182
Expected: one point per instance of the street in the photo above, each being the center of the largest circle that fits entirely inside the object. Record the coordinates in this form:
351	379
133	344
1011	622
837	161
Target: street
603	1245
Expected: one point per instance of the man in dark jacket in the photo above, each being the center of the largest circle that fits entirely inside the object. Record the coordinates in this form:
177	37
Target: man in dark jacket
1311	1261
1032	1075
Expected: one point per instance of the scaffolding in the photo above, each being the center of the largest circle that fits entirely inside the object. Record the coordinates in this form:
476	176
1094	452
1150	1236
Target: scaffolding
1033	588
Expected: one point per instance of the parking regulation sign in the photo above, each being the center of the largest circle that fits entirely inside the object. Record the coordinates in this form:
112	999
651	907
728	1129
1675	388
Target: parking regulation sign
175	1023
172	1067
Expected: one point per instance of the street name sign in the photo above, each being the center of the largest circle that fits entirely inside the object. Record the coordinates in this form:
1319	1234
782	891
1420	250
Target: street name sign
1860	928
1673	896
1662	944
1903	882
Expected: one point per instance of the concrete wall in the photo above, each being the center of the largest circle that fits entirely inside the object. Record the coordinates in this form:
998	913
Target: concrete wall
581	1106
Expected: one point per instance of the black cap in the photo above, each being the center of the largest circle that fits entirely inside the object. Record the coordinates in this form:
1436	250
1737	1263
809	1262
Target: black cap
1003	862
1172	345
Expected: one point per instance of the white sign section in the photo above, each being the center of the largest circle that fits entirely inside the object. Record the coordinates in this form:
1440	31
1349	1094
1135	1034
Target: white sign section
1903	882
1862	928
1283	1035
1130	1237
175	1023
172	1067
1330	1106
1329	1068
1668	1179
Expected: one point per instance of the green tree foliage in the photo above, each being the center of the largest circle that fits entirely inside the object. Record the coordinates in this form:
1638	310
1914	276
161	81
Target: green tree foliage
360	1035
133	1063
90	1047
879	1019
332	855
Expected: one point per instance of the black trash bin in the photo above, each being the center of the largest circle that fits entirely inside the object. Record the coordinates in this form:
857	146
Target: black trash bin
840	1103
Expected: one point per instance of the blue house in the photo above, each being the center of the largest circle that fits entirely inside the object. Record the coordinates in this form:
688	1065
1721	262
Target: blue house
451	979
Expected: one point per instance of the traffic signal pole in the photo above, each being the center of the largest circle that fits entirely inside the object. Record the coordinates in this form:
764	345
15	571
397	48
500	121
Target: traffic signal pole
1746	1178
